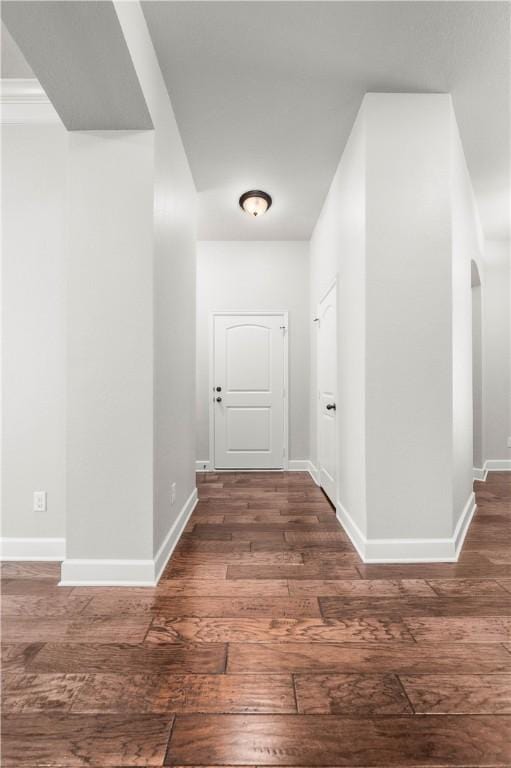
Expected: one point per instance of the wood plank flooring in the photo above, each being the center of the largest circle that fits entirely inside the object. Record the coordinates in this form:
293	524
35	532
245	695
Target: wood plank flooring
267	643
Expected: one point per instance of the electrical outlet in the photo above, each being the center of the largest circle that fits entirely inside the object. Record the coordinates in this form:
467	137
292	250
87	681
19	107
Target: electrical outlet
172	493
39	501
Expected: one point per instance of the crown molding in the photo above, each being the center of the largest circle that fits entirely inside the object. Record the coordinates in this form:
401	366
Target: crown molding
24	101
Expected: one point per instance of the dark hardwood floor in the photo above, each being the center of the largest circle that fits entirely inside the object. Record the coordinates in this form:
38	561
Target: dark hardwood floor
267	642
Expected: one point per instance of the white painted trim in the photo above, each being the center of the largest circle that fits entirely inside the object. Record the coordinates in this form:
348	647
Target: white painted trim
211	353
32	549
24	101
358	539
298	465
408	550
295	465
492	465
127	573
304	465
174	534
497	465
77	572
463	523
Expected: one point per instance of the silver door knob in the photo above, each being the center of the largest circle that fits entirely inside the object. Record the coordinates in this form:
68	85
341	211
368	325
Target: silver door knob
331	407
219	399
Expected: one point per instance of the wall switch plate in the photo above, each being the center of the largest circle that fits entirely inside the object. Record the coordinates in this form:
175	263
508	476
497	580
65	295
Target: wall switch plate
509	442
39	501
172	493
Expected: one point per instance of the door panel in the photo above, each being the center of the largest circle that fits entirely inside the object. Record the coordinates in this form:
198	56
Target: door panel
327	392
248	366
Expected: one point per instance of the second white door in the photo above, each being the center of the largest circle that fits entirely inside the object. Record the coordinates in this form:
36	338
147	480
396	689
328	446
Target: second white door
249	358
327	392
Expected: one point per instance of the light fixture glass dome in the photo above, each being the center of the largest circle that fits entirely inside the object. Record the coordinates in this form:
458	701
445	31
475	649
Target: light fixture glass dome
255	202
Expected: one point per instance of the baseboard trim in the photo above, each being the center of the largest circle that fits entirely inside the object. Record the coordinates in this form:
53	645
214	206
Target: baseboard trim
304	465
32	549
76	572
127	573
492	465
171	539
408	550
497	465
294	465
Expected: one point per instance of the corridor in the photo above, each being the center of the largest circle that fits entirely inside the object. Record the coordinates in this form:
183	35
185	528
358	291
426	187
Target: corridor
267	642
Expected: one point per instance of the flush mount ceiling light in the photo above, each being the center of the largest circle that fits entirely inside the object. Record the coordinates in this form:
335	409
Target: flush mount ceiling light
255	202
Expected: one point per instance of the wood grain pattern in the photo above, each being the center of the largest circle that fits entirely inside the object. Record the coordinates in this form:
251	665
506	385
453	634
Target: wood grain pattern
465	587
480	605
459	694
461	630
273	658
25	570
310	571
332	740
71	658
16	656
121	694
31	606
188	605
39	693
259	630
30	741
92	629
219	588
270	643
363	695
361	588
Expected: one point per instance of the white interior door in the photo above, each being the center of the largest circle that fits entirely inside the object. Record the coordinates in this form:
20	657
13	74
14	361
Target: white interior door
327	392
249	357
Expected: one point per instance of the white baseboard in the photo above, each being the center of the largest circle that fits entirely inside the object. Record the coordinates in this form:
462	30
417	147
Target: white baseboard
298	465
314	472
408	550
304	465
497	465
294	465
32	549
77	572
174	534
127	573
492	465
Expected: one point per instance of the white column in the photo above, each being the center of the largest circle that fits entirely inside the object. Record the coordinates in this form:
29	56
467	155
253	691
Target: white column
110	358
418	329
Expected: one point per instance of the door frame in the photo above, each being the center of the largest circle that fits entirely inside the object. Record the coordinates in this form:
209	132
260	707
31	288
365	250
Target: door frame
332	284
211	352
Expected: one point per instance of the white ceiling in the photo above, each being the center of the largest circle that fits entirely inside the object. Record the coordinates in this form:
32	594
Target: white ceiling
265	94
13	63
78	53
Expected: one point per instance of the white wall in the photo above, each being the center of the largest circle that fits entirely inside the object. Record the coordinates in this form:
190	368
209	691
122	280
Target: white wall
110	347
338	249
33	208
496	298
175	212
256	276
467	243
398	228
